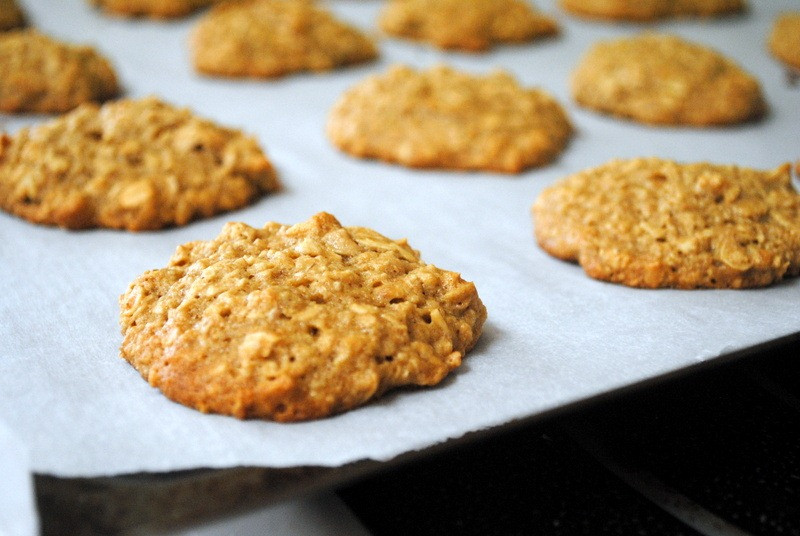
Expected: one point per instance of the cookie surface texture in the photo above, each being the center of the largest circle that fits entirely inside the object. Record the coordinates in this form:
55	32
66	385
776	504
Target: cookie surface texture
646	10
665	80
784	40
130	164
157	9
442	118
11	16
271	38
40	74
471	25
655	223
293	323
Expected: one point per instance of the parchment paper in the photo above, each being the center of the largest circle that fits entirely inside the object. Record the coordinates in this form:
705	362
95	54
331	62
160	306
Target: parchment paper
553	337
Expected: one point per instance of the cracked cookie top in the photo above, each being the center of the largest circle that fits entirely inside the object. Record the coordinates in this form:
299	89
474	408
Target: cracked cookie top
665	80
44	75
271	38
130	164
471	25
657	223
443	118
296	322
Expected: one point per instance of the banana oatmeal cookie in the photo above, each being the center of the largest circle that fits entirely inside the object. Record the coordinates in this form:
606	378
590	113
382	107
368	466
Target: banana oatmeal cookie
157	9
784	41
442	118
293	323
130	164
647	10
472	25
665	80
40	74
656	223
11	16
271	38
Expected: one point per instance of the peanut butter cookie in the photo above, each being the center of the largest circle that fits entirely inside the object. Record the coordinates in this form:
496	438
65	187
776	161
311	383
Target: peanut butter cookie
471	25
655	223
784	41
40	74
665	80
156	9
11	16
130	164
293	323
647	10
271	38
442	118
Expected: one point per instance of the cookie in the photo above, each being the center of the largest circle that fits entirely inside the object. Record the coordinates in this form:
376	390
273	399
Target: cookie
156	9
40	74
442	118
648	10
11	16
784	40
130	164
271	38
296	322
655	223
471	25
665	80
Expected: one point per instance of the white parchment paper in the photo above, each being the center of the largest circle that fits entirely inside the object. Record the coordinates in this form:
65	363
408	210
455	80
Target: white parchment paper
553	336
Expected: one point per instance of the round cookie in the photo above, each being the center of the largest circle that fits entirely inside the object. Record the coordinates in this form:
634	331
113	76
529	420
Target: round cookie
655	223
157	9
665	80
471	25
40	74
293	323
648	10
130	164
11	16
784	40
271	38
442	118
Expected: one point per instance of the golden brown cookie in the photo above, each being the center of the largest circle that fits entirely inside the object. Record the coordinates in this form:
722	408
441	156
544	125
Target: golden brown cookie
157	9
646	10
293	323
11	16
442	118
665	80
270	38
471	25
40	74
656	223
784	41
130	164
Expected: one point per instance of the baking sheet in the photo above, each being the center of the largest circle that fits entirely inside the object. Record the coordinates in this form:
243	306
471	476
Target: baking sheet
553	336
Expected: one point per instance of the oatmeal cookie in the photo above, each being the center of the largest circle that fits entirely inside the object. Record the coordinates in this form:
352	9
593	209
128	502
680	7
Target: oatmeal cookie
665	80
11	16
472	25
156	9
293	323
656	223
130	164
40	74
271	38
442	118
648	10
784	41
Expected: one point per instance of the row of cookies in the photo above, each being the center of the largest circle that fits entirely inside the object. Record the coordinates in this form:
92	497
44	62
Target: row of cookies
246	38
603	9
265	38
